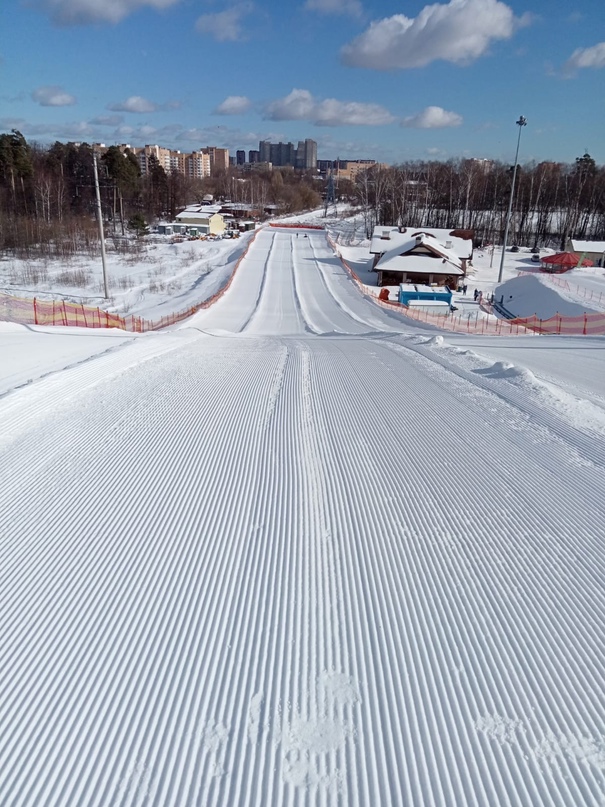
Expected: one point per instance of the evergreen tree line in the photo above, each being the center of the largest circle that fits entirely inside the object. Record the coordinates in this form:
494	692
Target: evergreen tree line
552	201
47	196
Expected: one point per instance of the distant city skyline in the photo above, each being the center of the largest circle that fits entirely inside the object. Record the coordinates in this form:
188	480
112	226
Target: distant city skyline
382	80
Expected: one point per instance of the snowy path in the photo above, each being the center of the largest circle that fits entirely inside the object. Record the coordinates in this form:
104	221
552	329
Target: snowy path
288	568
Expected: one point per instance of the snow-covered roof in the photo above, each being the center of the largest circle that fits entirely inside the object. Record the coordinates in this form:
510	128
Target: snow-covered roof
208	209
587	246
238	206
419	264
461	247
401	257
196	216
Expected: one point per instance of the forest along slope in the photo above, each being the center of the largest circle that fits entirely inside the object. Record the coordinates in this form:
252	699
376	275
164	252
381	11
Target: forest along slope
295	557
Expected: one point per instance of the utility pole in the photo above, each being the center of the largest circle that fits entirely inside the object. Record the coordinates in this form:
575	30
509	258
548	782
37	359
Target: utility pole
100	217
520	123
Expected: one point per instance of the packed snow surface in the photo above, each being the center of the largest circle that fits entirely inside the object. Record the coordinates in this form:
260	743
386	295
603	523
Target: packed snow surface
301	551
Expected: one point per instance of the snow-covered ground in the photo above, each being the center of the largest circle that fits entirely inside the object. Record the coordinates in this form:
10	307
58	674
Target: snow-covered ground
301	550
153	276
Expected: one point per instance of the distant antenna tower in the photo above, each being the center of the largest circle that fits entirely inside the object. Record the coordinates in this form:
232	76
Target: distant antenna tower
330	192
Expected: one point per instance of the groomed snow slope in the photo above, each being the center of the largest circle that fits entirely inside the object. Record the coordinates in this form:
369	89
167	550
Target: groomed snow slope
295	553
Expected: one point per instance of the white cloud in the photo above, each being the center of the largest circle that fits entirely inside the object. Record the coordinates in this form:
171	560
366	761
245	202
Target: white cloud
587	57
458	32
433	117
52	96
352	7
301	105
134	104
225	26
233	105
75	12
77	130
107	120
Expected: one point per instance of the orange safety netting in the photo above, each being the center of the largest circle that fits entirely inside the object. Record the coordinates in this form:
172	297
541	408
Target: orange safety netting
585	324
28	311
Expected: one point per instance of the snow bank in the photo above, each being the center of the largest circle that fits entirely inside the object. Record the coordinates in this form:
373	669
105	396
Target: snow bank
525	296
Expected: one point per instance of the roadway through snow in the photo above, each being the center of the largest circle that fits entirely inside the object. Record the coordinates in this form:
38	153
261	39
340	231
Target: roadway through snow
291	554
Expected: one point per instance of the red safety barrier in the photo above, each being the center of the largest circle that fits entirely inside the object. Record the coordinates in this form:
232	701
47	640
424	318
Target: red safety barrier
28	311
297	226
583	325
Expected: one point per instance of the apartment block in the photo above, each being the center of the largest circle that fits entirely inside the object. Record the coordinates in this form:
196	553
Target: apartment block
219	158
302	156
306	155
197	165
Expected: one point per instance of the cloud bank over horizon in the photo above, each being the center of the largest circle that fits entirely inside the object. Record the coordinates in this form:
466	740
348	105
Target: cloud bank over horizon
459	32
301	105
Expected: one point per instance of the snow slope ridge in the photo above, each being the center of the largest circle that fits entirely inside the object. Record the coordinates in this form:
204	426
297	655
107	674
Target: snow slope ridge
580	413
566	417
22	406
293	569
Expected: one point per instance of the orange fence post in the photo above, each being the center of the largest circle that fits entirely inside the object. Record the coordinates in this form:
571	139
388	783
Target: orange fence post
35	312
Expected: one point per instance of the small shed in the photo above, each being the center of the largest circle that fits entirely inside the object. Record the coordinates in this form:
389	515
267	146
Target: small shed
414	294
593	250
206	218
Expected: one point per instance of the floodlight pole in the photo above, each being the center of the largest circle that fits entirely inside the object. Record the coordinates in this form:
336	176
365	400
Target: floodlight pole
100	218
520	123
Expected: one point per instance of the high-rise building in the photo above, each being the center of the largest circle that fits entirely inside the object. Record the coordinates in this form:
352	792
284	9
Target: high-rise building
219	158
253	156
240	157
281	154
197	165
264	151
306	154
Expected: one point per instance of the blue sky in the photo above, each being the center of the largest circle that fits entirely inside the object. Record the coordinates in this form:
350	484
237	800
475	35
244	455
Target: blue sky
391	81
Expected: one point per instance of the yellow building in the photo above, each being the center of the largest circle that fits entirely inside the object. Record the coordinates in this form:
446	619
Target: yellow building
204	218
